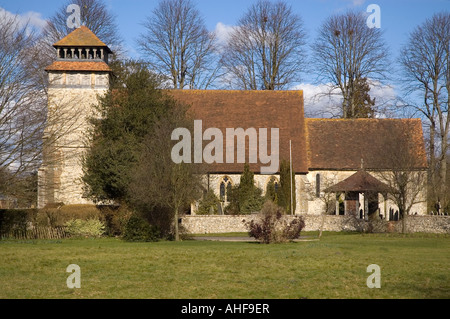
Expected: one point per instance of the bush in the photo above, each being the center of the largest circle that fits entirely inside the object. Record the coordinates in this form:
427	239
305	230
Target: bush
244	201
138	229
208	205
115	218
273	226
55	215
85	228
15	219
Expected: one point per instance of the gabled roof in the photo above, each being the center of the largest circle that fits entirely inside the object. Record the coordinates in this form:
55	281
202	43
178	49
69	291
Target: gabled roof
81	37
87	66
224	109
340	144
361	181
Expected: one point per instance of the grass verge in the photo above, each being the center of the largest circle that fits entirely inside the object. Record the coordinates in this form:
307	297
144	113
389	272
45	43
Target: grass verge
412	266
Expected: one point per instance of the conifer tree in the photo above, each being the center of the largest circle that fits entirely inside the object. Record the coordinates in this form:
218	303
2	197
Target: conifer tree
284	197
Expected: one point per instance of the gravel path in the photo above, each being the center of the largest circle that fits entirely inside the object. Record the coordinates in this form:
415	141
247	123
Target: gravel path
244	239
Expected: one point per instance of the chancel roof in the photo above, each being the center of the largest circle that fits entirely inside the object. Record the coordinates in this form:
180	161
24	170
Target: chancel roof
341	144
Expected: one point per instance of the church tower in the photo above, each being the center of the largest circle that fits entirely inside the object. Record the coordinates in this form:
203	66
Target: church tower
78	76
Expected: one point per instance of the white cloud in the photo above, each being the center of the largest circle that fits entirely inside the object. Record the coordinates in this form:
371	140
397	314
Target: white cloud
320	101
222	32
358	3
31	18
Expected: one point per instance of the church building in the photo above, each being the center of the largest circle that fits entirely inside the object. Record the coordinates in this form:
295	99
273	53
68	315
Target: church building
344	158
76	78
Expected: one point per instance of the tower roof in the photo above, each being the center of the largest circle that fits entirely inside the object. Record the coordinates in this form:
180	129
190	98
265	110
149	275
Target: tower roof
81	37
81	50
79	66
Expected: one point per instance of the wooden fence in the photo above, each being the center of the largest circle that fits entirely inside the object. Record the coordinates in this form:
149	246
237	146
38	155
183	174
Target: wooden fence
36	233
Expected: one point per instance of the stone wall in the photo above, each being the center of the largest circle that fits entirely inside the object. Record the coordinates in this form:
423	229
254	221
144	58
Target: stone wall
70	107
426	224
227	223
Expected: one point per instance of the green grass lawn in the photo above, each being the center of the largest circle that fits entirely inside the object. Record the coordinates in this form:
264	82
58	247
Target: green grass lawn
412	266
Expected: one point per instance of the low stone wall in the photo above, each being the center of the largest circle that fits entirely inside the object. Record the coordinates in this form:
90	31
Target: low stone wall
214	224
426	224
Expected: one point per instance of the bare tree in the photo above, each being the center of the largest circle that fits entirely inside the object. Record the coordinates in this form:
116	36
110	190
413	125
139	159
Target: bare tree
265	49
328	199
426	67
95	15
157	180
346	51
177	44
20	118
407	176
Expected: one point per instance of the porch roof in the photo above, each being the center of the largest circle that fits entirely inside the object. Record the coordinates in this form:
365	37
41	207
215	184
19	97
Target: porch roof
361	181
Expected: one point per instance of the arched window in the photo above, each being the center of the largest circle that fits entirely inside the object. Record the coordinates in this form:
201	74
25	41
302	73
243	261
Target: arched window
317	185
222	190
225	189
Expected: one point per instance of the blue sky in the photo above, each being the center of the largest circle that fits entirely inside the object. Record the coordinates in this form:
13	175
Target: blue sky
398	19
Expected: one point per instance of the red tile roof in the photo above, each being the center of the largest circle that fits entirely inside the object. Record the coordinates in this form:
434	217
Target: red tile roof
80	37
339	144
317	144
361	181
251	109
85	65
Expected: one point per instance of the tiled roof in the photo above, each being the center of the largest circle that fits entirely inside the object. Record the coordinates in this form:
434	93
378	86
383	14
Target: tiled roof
381	143
317	144
251	109
96	66
361	181
80	37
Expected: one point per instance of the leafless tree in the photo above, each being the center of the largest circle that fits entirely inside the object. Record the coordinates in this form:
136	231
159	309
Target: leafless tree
177	44
426	67
345	51
24	138
158	181
328	199
407	174
265	49
20	118
94	15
